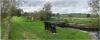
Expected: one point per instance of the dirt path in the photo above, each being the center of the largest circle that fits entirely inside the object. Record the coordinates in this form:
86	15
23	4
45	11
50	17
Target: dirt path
29	36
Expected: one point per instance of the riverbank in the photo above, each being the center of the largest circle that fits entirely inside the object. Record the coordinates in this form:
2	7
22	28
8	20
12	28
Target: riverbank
23	29
93	34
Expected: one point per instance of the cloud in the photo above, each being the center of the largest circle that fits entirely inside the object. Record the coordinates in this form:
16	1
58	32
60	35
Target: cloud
70	10
61	6
31	9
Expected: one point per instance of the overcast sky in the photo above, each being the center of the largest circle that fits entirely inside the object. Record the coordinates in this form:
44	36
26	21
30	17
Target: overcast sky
61	6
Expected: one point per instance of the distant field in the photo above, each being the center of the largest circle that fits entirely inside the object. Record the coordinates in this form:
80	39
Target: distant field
34	30
88	21
78	20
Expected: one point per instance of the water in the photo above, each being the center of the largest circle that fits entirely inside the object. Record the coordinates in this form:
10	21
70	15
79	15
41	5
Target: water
95	35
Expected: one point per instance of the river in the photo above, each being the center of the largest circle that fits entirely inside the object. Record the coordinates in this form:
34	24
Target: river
95	35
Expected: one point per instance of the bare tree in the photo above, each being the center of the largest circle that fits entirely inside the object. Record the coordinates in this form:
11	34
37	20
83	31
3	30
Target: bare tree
47	10
95	6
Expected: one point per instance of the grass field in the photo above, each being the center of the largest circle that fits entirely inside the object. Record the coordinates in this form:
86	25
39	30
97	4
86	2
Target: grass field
79	20
23	29
88	21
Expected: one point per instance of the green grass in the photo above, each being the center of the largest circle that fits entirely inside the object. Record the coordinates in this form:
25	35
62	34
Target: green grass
78	20
32	30
88	21
81	20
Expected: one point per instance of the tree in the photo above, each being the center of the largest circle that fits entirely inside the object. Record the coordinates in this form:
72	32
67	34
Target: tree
46	12
6	13
16	12
88	15
95	6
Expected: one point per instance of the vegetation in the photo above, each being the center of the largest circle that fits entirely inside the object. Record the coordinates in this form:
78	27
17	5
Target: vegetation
24	29
87	21
78	18
6	12
95	8
8	9
17	26
43	14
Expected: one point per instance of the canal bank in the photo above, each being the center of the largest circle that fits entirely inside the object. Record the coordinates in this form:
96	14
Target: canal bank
94	35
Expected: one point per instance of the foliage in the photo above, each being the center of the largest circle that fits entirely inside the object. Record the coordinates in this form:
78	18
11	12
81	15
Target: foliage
45	13
95	5
16	12
88	15
86	21
8	8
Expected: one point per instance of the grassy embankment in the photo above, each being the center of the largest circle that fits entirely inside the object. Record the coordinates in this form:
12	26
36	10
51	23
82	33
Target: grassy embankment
24	29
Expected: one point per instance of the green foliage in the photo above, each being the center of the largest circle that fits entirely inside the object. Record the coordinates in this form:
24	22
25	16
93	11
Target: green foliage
45	13
88	15
16	12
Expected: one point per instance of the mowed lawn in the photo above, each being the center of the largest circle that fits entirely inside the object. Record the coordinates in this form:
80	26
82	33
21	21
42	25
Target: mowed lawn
23	29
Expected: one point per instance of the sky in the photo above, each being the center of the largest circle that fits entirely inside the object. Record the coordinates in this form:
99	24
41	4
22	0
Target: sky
58	6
